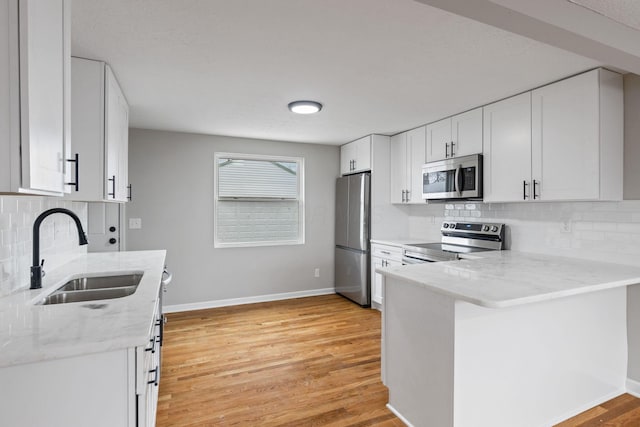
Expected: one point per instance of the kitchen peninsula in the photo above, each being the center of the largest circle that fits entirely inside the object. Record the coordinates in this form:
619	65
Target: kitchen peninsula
509	339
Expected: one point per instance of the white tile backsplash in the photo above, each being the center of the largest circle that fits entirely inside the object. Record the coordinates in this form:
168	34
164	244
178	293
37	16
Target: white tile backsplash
606	231
58	237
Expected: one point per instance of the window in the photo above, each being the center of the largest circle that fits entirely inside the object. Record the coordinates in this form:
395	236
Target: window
259	200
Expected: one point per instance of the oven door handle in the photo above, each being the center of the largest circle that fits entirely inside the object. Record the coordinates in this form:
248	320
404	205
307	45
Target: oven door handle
457	179
410	260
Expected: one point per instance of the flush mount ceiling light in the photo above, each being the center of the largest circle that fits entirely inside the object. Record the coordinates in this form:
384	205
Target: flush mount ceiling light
305	107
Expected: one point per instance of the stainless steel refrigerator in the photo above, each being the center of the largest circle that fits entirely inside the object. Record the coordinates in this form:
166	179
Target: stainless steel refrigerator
352	238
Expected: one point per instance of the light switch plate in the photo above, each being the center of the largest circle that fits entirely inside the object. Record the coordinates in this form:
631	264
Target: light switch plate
135	223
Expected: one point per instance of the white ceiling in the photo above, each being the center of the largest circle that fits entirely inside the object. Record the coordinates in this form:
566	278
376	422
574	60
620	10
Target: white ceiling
379	66
626	12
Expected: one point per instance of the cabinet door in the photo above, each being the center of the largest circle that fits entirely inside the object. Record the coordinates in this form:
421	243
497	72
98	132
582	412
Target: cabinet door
43	64
416	147
439	140
116	139
565	145
363	154
398	167
466	129
376	280
347	155
507	149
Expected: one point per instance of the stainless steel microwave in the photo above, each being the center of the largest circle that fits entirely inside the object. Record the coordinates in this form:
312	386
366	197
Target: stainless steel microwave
451	179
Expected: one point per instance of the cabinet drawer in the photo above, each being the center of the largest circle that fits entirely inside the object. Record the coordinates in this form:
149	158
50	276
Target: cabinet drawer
387	252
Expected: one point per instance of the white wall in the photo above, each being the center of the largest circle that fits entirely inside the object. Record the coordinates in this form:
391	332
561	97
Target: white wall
58	237
172	178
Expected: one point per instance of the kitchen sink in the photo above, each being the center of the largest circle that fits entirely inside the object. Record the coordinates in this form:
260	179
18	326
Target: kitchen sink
64	297
96	288
101	282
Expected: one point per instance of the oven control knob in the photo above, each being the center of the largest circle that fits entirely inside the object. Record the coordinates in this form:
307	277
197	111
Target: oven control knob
494	228
445	225
485	228
452	225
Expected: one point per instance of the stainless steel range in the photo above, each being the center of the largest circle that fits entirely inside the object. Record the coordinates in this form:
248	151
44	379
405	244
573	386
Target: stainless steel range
457	238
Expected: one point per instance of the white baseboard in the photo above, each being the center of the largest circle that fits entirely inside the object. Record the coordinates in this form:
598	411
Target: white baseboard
397	414
584	407
247	300
633	387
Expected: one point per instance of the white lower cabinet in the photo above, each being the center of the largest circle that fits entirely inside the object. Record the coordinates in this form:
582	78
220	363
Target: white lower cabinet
106	389
382	256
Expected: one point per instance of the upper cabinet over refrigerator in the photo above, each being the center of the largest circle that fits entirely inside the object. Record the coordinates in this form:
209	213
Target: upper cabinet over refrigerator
34	96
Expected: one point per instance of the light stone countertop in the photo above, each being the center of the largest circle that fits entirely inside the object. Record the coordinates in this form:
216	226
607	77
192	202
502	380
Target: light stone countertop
32	333
506	278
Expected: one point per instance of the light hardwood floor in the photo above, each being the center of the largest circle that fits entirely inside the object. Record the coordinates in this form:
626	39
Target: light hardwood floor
303	362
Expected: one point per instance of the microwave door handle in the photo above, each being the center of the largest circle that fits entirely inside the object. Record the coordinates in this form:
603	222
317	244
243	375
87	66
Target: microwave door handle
457	180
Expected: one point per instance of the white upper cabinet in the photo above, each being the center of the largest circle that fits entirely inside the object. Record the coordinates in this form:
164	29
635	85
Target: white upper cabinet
577	138
563	141
438	140
356	156
398	167
466	132
34	96
116	139
100	124
507	149
407	155
456	136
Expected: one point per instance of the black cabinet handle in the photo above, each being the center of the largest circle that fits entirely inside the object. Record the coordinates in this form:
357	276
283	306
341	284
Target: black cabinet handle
130	193
156	372
113	182
152	349
76	182
113	240
535	195
524	190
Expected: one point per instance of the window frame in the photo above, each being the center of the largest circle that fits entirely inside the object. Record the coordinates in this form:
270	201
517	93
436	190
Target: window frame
301	199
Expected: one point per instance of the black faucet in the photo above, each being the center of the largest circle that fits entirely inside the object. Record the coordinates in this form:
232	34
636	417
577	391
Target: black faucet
36	268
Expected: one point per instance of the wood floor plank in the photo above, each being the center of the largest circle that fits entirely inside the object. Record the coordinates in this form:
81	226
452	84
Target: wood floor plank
304	362
622	411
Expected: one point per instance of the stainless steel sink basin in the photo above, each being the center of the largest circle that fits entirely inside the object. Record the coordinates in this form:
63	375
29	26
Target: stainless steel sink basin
62	297
101	282
97	288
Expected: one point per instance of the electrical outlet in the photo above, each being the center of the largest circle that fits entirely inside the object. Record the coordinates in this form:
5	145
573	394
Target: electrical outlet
316	273
135	223
565	227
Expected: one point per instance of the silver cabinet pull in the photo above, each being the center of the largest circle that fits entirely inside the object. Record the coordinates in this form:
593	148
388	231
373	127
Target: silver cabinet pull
446	150
385	252
407	196
452	145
